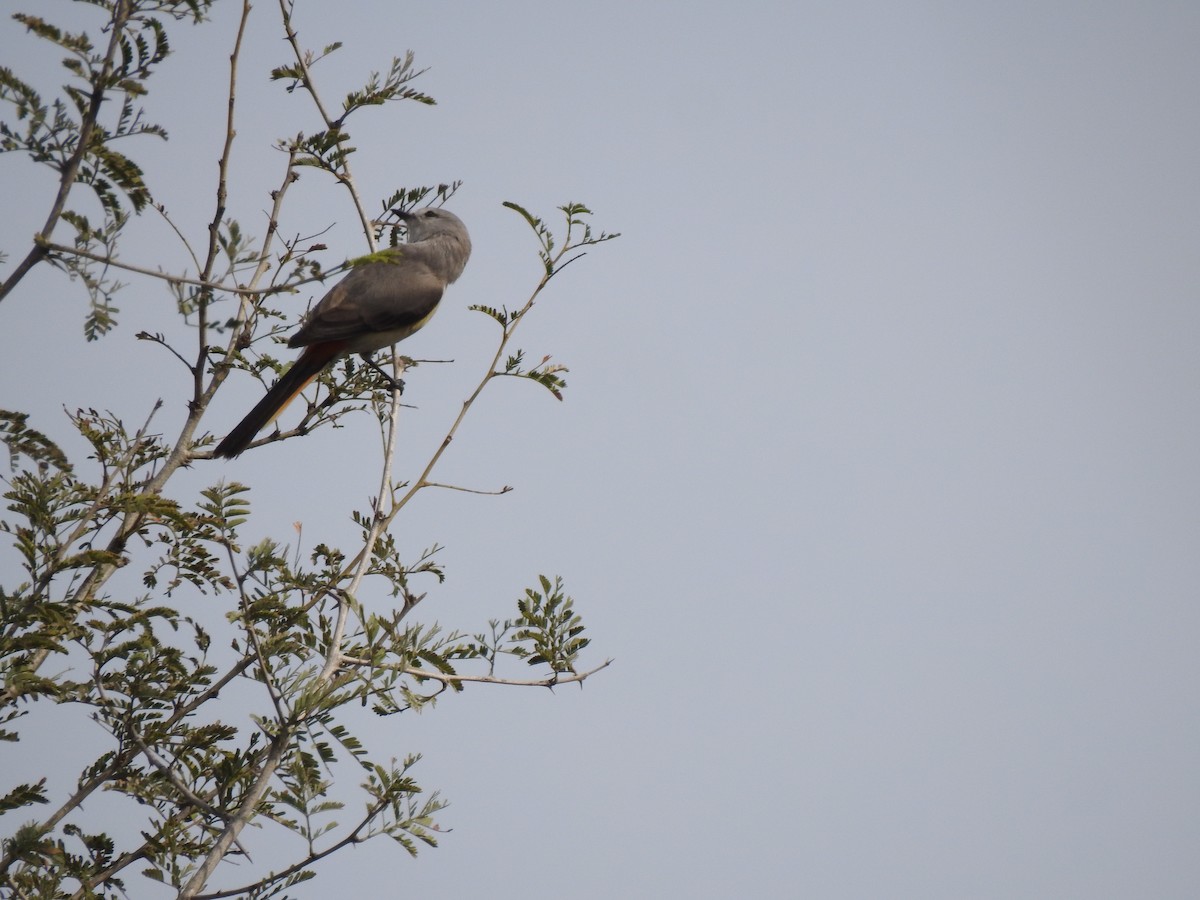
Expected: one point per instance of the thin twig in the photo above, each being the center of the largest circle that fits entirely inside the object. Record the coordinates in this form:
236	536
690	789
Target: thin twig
170	278
162	211
556	679
352	838
455	487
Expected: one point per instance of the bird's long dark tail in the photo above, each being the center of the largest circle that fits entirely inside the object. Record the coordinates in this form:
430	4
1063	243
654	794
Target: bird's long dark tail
314	358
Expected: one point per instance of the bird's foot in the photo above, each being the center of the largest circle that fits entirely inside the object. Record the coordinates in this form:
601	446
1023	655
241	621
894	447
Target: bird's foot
395	383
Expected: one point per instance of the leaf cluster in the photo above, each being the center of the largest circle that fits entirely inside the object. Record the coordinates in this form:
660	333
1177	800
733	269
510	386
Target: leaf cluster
65	131
145	670
76	132
578	234
329	149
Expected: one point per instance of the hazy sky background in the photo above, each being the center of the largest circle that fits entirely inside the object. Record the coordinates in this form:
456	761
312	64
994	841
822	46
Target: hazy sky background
877	469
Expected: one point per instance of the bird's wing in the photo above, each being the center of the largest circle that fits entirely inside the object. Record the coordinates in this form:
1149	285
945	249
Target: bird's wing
377	298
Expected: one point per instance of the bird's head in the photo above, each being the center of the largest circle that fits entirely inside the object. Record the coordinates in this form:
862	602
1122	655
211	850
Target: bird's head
430	222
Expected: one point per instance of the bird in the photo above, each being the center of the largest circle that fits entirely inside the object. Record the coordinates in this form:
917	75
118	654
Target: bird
374	306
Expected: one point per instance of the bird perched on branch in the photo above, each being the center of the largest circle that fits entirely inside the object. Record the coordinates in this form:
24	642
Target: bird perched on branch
376	305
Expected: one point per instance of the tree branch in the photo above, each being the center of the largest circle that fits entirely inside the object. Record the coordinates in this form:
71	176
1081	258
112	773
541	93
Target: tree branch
552	681
208	285
346	176
70	171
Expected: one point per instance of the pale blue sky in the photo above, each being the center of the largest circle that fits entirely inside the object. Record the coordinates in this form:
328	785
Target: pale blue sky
877	468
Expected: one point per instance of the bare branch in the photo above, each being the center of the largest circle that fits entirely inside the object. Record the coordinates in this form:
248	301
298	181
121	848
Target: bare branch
551	681
455	487
170	278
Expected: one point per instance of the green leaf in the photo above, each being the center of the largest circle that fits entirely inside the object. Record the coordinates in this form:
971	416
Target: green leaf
24	795
501	316
548	631
22	440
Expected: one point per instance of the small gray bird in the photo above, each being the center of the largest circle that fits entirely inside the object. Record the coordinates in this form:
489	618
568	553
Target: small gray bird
373	307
